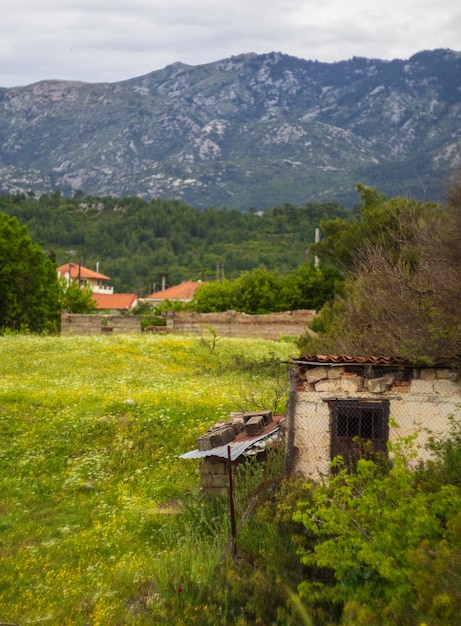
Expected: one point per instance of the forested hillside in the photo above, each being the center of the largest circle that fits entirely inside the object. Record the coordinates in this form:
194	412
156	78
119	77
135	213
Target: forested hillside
138	242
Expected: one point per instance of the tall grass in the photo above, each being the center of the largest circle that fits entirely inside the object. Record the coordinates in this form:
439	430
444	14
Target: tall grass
100	521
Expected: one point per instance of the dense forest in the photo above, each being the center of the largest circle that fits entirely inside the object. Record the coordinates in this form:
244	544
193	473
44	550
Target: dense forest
138	242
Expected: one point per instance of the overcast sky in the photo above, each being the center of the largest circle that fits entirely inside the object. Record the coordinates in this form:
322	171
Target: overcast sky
112	40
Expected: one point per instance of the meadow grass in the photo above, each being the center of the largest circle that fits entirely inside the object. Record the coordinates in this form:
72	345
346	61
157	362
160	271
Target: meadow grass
100	521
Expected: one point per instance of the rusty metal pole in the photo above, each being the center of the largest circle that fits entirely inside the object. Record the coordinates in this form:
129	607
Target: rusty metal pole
231	503
289	426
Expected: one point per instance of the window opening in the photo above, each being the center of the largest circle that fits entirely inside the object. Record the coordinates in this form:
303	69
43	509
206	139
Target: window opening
358	420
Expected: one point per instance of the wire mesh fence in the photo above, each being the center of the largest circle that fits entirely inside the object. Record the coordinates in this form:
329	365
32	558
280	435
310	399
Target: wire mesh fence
352	410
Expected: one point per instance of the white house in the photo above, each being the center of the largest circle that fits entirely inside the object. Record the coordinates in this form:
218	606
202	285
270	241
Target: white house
96	281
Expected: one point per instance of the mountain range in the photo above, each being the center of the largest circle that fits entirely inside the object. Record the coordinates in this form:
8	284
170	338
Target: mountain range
250	131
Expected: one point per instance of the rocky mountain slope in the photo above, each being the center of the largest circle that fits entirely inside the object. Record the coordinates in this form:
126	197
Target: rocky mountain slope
248	131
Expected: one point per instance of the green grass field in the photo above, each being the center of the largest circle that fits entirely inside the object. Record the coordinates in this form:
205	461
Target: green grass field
100	521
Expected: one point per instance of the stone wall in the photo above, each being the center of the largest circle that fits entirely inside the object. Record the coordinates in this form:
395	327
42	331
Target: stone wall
73	324
419	400
230	324
234	324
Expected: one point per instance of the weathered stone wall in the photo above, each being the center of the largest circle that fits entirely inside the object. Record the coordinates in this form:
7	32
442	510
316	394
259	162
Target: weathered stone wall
419	401
234	324
230	324
73	324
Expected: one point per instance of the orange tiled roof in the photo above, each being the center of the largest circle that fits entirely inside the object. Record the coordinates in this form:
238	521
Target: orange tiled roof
75	270
344	359
115	301
184	291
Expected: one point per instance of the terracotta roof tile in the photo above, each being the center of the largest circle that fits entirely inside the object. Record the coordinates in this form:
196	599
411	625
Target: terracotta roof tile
344	359
115	301
75	270
184	291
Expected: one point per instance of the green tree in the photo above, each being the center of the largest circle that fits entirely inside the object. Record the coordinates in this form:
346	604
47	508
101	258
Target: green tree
378	221
308	288
213	297
401	296
257	291
130	236
75	298
29	293
387	534
263	291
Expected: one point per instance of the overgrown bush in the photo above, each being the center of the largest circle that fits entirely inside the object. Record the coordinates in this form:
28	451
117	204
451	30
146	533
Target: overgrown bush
401	297
152	321
385	535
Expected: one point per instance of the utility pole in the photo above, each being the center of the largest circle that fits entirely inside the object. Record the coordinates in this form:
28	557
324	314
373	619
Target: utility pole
317	239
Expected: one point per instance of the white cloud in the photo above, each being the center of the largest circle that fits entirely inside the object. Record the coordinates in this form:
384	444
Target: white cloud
110	41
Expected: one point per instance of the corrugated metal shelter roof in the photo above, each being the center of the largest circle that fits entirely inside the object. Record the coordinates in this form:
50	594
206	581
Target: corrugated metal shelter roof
242	444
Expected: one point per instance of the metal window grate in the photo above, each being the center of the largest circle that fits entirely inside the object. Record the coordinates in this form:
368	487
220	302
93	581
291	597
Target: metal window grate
357	419
360	422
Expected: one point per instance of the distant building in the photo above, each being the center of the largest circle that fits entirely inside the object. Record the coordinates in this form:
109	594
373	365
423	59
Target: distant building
178	293
103	294
85	276
115	302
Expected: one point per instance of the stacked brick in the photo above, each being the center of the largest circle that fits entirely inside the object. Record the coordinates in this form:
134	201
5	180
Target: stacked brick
214	476
219	435
214	469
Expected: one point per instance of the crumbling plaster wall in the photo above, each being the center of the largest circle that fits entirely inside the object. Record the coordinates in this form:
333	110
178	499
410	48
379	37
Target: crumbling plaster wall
422	403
